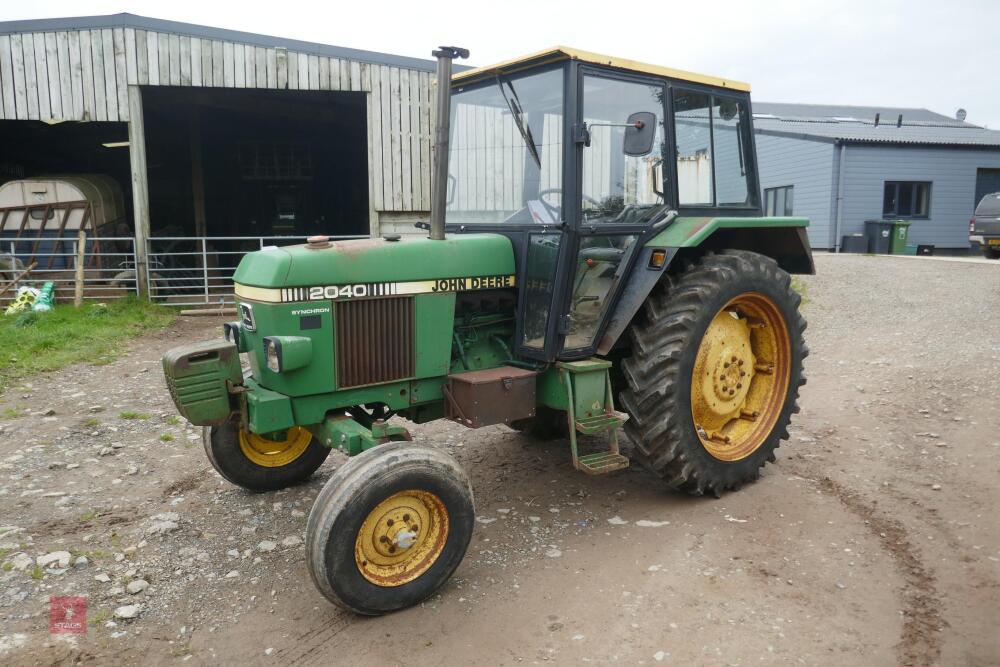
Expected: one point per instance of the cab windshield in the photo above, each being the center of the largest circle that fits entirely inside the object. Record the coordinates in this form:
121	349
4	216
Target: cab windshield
505	157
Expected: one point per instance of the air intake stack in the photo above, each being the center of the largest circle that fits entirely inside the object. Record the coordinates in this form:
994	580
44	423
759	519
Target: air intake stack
439	182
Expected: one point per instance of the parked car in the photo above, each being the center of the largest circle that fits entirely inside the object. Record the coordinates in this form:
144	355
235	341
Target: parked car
984	227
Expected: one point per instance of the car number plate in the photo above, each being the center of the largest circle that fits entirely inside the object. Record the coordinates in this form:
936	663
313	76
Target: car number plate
993	242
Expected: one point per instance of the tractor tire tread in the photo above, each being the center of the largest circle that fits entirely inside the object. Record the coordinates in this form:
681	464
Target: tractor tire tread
222	447
342	493
664	334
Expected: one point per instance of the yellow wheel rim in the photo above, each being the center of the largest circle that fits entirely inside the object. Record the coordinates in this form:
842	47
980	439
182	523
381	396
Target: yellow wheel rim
275	453
401	538
740	377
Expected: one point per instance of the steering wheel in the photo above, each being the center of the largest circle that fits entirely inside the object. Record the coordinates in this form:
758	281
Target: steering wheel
553	209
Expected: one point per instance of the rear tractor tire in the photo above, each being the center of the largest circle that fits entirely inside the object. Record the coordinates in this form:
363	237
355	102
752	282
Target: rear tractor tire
389	528
260	464
715	372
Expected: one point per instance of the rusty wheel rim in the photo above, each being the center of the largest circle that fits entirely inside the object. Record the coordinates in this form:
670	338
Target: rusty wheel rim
275	453
740	378
401	538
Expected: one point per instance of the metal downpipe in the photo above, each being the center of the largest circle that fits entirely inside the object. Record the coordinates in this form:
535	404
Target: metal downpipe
840	197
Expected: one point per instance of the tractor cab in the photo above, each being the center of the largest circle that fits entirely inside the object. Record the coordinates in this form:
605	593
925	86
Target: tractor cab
580	159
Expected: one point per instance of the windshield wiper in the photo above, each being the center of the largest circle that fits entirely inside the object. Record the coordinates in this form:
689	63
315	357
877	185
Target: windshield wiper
514	105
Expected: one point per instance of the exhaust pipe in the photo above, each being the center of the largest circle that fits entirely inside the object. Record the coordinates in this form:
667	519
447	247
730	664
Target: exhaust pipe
439	180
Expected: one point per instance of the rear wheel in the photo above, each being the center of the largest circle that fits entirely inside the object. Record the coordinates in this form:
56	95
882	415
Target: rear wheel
389	528
715	372
990	252
259	463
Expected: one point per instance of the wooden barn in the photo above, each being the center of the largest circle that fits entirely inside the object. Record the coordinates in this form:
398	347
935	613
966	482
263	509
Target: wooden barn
222	141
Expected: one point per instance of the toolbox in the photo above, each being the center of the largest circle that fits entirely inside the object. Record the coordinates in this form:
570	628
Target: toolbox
491	396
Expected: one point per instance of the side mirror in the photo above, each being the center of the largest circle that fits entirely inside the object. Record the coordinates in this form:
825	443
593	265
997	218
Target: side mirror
640	131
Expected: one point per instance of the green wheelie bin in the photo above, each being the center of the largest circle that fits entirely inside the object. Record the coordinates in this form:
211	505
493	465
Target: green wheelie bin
900	232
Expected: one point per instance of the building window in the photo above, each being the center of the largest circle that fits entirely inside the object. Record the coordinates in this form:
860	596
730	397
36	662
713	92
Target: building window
906	199
778	201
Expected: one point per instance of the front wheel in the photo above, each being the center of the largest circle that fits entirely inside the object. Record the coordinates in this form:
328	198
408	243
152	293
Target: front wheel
258	463
389	528
715	372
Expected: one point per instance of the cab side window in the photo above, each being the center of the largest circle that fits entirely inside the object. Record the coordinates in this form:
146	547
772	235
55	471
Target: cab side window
712	145
728	140
621	187
693	132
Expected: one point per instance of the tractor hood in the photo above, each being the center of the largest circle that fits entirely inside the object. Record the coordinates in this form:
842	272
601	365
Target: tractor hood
377	261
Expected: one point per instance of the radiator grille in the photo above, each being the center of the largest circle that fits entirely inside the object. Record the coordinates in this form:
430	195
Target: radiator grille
374	341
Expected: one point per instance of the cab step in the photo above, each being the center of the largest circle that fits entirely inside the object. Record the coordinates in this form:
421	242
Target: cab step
601	463
599	424
588	393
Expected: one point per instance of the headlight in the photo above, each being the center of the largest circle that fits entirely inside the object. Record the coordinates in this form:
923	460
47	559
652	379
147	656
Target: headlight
286	353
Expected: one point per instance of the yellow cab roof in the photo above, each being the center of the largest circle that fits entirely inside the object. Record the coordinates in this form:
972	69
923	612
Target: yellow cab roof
567	53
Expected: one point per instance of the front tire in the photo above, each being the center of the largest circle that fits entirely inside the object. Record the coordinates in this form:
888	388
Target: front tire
715	372
389	528
260	464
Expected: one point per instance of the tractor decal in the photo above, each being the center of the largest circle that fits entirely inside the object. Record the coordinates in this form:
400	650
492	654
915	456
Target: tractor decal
370	290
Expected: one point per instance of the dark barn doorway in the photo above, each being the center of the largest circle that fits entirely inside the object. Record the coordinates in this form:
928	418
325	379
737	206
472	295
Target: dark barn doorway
31	148
225	162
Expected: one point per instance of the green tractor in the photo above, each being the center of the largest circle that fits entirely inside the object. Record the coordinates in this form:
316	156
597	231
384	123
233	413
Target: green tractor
596	261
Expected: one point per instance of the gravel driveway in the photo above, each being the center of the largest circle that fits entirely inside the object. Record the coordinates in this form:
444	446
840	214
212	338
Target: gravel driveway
872	541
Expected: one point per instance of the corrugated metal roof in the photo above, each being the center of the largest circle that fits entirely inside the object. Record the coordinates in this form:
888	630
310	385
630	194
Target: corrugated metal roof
206	32
789	110
857	125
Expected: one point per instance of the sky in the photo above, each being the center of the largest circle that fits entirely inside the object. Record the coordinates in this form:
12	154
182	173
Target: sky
937	55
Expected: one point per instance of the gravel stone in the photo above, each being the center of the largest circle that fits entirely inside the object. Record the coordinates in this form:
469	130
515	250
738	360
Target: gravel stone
128	611
137	586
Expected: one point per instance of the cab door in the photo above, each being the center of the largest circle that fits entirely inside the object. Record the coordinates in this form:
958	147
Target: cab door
620	169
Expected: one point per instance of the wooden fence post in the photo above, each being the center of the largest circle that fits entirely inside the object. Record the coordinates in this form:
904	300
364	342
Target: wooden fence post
140	188
81	249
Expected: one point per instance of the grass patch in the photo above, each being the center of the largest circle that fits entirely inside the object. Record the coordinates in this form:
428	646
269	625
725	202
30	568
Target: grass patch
173	420
12	413
132	414
166	437
92	422
88	515
802	289
7	567
67	335
181	651
99	617
36	573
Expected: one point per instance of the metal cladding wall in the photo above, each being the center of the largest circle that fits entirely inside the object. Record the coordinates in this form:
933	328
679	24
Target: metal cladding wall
809	167
812	167
81	70
951	172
